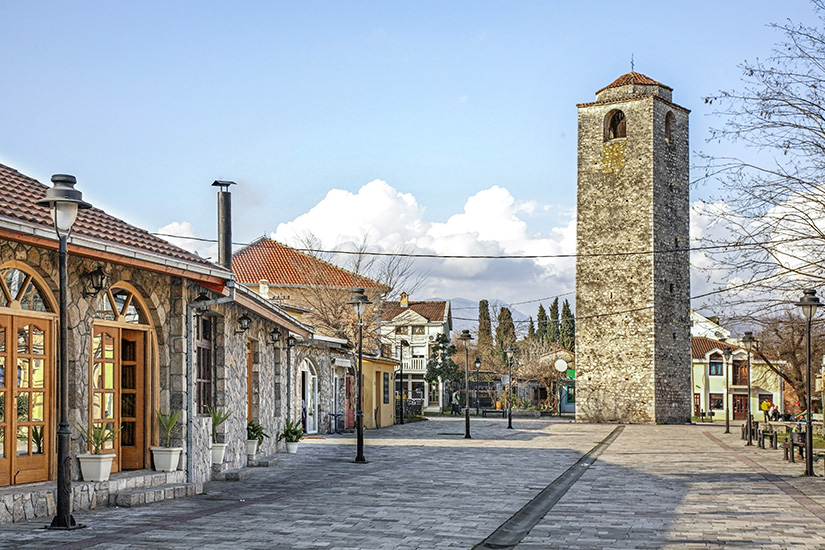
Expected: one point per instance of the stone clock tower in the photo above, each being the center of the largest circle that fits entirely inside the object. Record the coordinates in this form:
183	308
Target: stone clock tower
633	355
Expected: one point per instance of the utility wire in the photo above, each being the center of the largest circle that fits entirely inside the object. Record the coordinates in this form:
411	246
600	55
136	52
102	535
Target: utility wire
737	244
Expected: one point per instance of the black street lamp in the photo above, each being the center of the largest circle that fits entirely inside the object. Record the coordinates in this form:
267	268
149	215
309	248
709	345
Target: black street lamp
808	303
478	367
749	340
359	302
465	336
728	353
510	352
403	344
63	201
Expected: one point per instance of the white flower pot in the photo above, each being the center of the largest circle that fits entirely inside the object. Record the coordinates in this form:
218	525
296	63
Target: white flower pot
218	452
166	458
251	446
95	467
292	447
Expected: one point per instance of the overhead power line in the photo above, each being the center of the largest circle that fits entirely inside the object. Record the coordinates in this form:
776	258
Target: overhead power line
736	244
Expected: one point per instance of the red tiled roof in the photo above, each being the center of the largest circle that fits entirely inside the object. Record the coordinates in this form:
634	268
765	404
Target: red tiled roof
431	311
700	346
18	194
634	78
282	265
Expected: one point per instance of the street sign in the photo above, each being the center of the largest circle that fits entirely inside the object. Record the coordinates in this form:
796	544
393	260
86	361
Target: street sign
560	365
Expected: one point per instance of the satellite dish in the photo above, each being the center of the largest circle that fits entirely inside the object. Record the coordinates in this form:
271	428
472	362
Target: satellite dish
560	365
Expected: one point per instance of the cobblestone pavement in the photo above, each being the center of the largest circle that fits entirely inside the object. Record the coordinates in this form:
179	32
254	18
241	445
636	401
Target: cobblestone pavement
425	486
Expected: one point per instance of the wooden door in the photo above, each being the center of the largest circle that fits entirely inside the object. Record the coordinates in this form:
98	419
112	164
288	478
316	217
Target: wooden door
131	398
740	407
697	404
104	384
25	404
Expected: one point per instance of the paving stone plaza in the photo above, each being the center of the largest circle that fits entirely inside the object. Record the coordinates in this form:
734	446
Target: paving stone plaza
425	486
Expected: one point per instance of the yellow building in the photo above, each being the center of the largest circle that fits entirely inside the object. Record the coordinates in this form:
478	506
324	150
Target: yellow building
379	381
721	383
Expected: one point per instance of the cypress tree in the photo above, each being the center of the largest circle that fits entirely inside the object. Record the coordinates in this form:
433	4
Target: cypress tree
567	334
505	331
553	324
531	330
541	333
484	344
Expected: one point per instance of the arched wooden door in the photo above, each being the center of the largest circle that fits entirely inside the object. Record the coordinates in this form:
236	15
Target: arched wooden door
26	378
118	377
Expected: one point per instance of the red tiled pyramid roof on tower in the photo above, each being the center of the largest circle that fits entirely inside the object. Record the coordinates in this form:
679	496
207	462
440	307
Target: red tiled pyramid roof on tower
18	194
282	265
634	78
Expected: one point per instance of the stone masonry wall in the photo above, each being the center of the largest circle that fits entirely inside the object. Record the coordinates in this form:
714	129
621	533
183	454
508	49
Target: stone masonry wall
629	363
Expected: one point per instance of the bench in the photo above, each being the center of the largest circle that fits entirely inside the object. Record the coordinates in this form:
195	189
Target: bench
502	412
768	433
797	440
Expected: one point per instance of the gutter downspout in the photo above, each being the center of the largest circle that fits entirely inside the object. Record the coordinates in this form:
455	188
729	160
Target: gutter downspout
190	371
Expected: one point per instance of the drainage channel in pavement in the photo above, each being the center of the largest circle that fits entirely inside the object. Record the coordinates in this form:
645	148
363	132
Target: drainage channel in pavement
512	531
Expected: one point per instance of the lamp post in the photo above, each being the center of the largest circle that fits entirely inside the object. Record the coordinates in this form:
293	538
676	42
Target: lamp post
510	352
465	336
478	367
728	353
359	302
401	347
63	201
748	340
808	303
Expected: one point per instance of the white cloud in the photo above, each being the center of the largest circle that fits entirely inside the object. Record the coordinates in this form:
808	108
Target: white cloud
186	229
492	223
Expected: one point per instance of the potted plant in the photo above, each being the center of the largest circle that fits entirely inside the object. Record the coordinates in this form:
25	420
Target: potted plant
166	458
96	466
291	434
255	435
219	416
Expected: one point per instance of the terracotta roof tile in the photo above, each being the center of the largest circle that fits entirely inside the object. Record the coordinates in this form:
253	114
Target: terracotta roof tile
18	194
634	78
700	346
282	265
432	311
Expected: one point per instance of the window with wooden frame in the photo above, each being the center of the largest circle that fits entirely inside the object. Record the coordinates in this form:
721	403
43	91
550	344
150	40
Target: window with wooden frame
716	402
401	330
716	366
205	367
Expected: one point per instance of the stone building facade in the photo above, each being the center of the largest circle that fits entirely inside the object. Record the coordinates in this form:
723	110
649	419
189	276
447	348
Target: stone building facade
132	351
632	273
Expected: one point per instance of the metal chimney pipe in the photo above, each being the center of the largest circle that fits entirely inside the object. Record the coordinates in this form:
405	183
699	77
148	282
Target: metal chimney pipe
224	223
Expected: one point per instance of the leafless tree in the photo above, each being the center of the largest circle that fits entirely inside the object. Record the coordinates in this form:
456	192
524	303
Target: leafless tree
782	346
771	220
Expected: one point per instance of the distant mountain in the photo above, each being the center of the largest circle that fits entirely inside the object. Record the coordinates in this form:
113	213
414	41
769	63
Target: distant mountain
465	315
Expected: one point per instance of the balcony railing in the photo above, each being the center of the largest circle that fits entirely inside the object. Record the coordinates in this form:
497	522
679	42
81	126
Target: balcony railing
415	364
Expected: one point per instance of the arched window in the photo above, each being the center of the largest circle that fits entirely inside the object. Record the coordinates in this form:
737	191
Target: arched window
615	125
669	127
119	304
18	287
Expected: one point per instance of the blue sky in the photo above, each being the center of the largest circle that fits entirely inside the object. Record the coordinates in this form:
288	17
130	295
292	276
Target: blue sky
147	103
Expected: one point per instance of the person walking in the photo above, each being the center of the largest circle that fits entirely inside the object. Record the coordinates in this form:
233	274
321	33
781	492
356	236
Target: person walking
455	404
765	406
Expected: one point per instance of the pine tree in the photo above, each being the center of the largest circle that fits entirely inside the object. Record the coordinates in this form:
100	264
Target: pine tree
505	331
567	334
484	344
441	364
553	324
541	333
